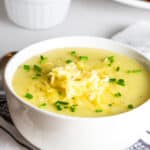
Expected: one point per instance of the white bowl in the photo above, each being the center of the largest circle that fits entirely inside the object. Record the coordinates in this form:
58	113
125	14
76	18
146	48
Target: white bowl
37	14
48	130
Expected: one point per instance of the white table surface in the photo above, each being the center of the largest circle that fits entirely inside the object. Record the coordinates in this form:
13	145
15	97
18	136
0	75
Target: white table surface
86	17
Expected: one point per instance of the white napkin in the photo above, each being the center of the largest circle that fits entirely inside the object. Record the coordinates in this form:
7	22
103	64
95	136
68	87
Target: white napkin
137	36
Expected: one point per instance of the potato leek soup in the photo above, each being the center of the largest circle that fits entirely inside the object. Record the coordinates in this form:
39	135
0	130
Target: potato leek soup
83	82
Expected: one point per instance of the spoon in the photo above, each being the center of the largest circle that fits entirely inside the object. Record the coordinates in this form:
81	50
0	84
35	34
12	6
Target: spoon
3	61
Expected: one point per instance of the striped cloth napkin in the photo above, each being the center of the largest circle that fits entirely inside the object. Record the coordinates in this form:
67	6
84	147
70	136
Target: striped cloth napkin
138	36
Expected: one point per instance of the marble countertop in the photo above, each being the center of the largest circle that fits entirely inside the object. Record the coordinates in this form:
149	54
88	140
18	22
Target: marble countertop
86	17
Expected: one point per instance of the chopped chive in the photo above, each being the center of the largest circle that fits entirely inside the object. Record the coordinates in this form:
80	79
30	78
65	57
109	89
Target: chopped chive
38	75
42	105
83	57
68	61
28	95
112	80
110	105
130	106
121	82
37	68
99	110
73	53
42	58
73	108
59	107
61	102
110	60
117	68
34	77
26	67
117	94
134	71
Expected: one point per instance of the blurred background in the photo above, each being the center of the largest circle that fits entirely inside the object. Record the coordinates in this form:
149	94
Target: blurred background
86	17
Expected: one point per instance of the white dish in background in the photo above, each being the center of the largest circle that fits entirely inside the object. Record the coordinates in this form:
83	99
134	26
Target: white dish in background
51	131
37	14
136	3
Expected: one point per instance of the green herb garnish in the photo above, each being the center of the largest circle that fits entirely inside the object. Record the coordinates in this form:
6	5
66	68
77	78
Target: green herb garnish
134	71
73	108
60	105
42	105
110	60
28	96
26	67
42	58
73	53
121	82
99	110
37	68
68	61
112	80
110	105
36	76
117	69
83	57
118	94
130	106
61	102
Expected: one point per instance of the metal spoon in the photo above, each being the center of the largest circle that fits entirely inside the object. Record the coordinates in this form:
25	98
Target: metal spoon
3	61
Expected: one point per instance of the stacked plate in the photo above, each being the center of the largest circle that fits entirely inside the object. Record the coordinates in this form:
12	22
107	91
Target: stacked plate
136	3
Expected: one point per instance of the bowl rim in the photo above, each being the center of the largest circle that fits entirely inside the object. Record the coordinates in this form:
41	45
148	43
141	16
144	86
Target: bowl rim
62	116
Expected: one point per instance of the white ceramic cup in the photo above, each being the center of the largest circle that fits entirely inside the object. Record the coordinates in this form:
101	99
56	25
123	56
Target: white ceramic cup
37	14
51	131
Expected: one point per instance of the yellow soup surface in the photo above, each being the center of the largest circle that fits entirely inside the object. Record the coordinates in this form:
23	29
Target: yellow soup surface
83	82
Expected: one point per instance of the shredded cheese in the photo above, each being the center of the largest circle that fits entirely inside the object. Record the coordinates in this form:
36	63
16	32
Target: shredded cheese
75	82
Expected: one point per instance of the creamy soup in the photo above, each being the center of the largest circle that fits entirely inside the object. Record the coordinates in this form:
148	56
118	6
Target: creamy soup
83	82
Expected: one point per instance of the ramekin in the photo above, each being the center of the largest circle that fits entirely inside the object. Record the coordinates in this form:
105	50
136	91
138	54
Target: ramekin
51	131
37	14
